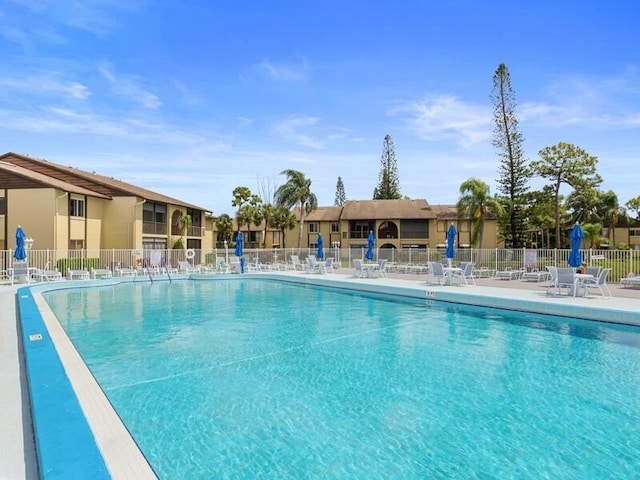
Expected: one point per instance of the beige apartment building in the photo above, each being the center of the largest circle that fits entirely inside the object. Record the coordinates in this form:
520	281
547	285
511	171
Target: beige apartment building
64	208
398	224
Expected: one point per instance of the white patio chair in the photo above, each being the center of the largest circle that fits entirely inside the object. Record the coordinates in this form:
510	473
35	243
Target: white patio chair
599	282
562	278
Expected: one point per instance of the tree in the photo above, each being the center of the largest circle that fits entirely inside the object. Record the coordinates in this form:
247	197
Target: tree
341	197
242	196
388	183
592	233
612	213
267	212
185	222
476	203
514	174
296	192
583	204
283	219
224	225
568	164
634	206
540	213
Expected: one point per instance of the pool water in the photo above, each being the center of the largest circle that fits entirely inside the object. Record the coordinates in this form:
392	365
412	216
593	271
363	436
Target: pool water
254	378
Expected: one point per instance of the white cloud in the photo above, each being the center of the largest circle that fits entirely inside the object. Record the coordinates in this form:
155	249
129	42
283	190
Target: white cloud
292	128
283	72
46	84
445	117
128	86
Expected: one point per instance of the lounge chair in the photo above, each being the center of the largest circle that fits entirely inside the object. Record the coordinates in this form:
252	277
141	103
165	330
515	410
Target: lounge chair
186	267
536	275
509	274
562	278
632	280
599	282
101	273
77	274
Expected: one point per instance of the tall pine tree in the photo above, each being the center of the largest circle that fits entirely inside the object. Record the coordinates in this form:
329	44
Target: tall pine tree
514	172
388	187
341	197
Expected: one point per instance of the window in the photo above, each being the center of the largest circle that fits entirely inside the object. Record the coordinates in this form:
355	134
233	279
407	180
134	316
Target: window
335	227
154	218
359	229
76	244
254	236
414	229
634	232
314	227
76	207
3	206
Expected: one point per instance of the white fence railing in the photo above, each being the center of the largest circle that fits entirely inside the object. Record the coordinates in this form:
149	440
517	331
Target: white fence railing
621	262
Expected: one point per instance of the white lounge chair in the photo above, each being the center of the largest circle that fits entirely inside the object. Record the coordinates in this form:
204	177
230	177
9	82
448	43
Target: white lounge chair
101	273
509	274
77	274
186	267
631	280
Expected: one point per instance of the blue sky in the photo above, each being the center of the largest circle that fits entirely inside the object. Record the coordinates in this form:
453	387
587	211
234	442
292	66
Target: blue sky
196	97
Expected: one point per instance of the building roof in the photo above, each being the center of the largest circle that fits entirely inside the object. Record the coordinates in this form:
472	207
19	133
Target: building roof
387	209
15	176
99	185
322	214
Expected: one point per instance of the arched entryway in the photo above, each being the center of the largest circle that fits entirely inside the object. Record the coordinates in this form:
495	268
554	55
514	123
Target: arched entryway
387	229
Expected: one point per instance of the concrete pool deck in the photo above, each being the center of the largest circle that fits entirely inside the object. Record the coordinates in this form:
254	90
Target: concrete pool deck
17	449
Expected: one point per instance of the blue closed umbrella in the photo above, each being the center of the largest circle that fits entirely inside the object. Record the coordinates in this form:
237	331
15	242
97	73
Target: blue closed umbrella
21	252
370	243
320	253
451	241
239	250
576	236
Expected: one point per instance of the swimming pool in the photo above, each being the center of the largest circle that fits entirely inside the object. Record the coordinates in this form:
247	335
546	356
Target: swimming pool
244	378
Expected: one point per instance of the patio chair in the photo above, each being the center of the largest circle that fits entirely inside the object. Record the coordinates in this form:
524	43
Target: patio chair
328	265
562	278
436	273
599	282
359	271
19	272
296	264
382	267
465	274
593	270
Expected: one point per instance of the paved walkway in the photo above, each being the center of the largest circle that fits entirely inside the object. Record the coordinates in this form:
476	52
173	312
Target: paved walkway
17	450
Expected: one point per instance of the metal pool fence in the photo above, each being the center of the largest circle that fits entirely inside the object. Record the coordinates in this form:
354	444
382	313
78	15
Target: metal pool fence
621	262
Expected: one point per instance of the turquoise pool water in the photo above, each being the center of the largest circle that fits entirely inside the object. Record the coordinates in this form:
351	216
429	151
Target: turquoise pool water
259	379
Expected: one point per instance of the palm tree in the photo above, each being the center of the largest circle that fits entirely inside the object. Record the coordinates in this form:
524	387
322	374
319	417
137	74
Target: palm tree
296	192
283	219
224	225
592	233
613	212
185	222
475	202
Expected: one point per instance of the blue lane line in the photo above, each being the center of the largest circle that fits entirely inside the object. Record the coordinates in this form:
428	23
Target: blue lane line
65	445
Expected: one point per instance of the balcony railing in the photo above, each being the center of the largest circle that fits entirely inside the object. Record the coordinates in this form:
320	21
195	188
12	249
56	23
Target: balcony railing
195	231
154	228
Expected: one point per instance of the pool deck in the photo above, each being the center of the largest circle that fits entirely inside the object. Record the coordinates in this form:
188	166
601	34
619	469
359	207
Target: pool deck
17	449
